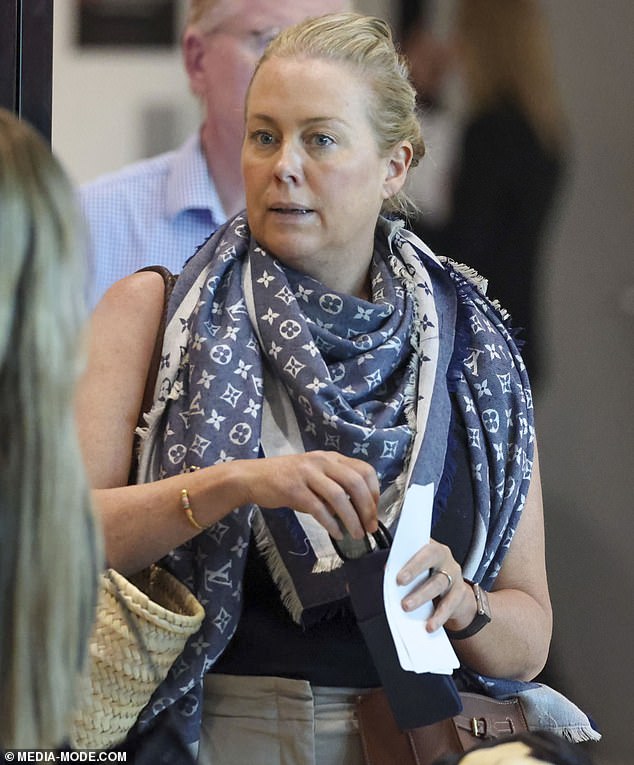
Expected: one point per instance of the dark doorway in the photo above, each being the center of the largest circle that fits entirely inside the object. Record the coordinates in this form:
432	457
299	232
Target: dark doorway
26	61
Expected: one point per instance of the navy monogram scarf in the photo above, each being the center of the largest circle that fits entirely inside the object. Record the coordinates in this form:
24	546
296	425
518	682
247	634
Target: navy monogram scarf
370	379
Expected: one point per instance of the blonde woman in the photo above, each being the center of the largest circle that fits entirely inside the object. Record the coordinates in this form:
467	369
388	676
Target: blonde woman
318	360
49	560
303	337
511	155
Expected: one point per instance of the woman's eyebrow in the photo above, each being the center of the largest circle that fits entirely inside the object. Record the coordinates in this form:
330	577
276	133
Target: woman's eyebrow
308	121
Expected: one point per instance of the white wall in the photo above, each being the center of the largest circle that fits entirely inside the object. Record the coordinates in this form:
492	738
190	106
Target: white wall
107	102
585	418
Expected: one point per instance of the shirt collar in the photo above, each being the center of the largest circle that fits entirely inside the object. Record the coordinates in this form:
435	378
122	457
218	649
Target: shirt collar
189	185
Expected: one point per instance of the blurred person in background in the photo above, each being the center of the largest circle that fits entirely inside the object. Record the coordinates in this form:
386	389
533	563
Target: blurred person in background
422	31
50	556
512	154
160	210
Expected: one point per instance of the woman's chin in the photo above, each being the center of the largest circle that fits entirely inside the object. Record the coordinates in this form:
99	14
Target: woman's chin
294	249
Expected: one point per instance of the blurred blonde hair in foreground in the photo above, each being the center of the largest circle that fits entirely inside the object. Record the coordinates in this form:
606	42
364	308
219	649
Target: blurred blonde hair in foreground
50	555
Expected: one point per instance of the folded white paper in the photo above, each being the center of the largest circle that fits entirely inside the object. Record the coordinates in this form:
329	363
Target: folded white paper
418	650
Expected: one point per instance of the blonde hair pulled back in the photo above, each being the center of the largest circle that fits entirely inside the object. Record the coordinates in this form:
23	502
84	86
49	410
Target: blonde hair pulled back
365	44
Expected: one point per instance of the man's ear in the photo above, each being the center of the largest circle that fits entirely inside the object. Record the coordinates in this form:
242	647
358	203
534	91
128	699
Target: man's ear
193	46
398	164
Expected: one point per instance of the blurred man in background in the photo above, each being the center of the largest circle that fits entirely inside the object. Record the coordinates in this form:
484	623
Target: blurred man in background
159	210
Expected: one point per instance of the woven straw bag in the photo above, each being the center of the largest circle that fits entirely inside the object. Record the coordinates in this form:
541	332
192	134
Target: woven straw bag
141	628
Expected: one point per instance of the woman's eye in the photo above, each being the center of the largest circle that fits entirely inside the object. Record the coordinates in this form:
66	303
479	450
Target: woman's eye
262	137
321	139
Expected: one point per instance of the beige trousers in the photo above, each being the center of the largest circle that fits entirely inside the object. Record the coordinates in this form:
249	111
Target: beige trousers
276	721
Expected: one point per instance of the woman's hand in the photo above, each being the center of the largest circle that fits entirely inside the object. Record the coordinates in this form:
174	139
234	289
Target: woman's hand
323	484
453	597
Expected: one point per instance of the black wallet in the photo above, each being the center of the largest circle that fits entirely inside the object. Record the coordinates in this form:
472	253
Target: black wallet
415	698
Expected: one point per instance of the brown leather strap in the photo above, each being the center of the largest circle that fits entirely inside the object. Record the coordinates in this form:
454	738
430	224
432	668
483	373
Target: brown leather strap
484	726
486	718
482	718
169	279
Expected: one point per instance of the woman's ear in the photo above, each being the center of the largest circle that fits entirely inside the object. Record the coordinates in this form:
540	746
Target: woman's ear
193	46
398	164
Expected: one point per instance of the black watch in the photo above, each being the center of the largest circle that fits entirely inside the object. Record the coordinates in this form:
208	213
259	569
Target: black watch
480	620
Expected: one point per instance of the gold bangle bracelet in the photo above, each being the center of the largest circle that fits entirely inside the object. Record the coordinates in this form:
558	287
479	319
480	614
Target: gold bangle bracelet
188	510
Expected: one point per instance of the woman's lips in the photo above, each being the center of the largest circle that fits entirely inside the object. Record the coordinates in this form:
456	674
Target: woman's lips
290	210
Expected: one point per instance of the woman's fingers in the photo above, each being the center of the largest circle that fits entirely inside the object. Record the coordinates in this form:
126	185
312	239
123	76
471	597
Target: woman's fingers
435	586
326	485
431	556
350	490
449	605
444	585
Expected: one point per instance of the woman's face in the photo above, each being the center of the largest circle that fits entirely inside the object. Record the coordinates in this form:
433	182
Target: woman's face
314	178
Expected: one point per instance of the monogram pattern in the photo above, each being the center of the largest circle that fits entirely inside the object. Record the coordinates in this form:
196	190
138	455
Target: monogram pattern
495	396
358	374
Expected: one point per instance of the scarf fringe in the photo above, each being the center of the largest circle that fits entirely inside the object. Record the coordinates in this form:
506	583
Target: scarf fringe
150	420
578	734
327	563
146	435
277	569
481	284
469	273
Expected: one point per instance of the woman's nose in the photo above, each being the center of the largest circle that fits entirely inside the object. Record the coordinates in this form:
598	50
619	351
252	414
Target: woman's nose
288	164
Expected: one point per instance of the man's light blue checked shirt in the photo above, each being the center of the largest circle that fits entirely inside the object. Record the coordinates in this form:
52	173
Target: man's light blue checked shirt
154	212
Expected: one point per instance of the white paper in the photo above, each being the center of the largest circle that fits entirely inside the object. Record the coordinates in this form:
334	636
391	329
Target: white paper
418	650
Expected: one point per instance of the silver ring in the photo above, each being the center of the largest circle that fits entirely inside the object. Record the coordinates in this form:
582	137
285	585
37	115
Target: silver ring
449	579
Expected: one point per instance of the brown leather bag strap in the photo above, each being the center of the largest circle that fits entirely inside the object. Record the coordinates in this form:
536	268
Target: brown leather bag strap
487	718
481	719
169	279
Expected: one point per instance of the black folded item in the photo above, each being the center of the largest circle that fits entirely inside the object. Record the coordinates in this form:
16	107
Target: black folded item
415	698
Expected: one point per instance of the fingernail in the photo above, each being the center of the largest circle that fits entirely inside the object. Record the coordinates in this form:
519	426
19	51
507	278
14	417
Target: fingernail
408	605
404	577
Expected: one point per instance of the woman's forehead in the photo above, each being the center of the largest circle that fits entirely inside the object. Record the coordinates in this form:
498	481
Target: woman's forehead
313	69
318	83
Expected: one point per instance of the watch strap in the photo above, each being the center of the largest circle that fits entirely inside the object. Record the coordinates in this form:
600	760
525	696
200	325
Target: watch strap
481	618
